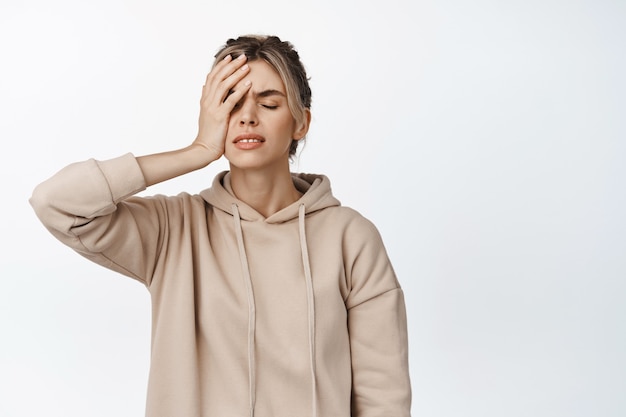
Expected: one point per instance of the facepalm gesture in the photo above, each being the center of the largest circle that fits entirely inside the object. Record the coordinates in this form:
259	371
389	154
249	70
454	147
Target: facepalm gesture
219	98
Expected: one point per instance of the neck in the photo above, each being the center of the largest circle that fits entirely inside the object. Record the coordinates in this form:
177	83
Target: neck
266	192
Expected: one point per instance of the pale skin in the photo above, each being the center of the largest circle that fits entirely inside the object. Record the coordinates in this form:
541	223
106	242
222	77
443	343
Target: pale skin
245	117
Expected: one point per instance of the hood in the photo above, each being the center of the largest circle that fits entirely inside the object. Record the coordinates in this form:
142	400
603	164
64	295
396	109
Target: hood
317	195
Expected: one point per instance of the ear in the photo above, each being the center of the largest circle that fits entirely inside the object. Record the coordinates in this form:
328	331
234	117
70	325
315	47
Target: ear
301	129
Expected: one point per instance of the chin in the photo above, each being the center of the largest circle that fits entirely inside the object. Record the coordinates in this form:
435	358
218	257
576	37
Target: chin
245	163
255	164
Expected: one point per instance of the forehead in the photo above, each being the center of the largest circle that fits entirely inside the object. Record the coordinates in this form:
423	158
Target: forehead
263	77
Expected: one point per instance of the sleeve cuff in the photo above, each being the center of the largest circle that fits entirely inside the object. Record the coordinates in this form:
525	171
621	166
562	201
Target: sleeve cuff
123	176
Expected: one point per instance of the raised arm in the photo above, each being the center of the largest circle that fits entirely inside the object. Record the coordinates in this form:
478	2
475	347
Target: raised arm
87	205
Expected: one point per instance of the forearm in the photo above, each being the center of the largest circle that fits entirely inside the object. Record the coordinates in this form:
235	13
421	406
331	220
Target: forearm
84	190
89	207
161	167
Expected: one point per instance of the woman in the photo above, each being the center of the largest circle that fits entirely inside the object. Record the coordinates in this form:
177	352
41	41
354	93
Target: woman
269	299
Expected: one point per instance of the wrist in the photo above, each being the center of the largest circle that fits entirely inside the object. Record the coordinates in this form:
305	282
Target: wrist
205	153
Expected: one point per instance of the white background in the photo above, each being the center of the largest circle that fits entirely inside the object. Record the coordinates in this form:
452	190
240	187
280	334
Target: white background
486	140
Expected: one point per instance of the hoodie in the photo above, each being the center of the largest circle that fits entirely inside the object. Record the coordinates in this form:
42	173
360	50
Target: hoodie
294	315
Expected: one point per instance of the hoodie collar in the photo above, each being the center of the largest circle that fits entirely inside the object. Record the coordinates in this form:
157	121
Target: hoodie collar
315	189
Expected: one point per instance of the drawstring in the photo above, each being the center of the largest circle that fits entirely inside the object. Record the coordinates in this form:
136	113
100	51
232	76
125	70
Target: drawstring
251	309
310	300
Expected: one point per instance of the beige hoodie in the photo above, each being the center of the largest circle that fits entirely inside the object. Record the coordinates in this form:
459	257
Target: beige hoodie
295	315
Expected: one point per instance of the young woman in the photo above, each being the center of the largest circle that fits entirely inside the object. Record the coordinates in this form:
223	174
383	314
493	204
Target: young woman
269	299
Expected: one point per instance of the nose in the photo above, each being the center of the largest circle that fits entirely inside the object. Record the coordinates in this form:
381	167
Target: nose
247	113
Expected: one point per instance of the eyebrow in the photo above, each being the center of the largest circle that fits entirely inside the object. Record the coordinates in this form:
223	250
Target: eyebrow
268	93
262	94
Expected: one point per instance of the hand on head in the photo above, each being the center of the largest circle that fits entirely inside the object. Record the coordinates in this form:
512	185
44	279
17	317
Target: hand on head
219	98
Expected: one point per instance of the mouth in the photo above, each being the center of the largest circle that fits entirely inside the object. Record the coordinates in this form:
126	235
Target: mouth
249	138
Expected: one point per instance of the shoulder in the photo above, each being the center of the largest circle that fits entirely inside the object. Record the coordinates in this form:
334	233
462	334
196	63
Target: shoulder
354	225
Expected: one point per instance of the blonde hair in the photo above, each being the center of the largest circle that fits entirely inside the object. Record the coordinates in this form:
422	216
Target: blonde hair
283	57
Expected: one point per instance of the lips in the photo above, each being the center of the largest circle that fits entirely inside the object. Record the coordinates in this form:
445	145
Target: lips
248	141
249	138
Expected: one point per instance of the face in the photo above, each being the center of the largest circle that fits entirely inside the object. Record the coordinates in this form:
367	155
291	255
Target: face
261	126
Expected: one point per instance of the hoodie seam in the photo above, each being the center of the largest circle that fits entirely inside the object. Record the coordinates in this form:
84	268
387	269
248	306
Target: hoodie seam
375	296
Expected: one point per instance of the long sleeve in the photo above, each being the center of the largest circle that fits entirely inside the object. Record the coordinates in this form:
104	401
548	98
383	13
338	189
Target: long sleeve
378	332
81	206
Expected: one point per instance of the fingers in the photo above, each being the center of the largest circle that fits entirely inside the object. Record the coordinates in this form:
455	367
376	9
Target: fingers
223	78
236	95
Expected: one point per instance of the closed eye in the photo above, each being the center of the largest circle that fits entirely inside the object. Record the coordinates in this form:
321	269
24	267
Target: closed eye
270	107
